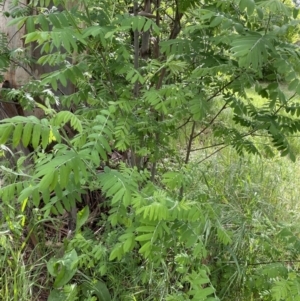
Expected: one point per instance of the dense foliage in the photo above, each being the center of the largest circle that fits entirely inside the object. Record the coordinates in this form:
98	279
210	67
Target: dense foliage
158	90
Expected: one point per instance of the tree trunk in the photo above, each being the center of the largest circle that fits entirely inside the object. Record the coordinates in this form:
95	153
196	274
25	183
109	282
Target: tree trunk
16	74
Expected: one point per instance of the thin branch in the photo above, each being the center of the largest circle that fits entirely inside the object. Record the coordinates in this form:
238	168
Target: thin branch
16	33
146	14
185	123
207	147
31	73
12	102
212	121
166	13
189	147
282	106
160	80
188	153
216	151
222	143
268	24
24	68
222	88
154	165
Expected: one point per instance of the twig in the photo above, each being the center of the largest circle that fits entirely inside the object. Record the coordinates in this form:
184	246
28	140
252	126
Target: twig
191	138
222	88
219	149
31	73
211	122
16	33
185	123
12	102
188	153
206	147
23	67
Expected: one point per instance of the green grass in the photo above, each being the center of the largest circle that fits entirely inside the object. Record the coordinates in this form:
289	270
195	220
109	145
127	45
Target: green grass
256	198
14	281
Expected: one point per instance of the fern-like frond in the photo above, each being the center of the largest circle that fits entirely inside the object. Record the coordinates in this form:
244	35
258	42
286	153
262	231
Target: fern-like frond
252	49
27	130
